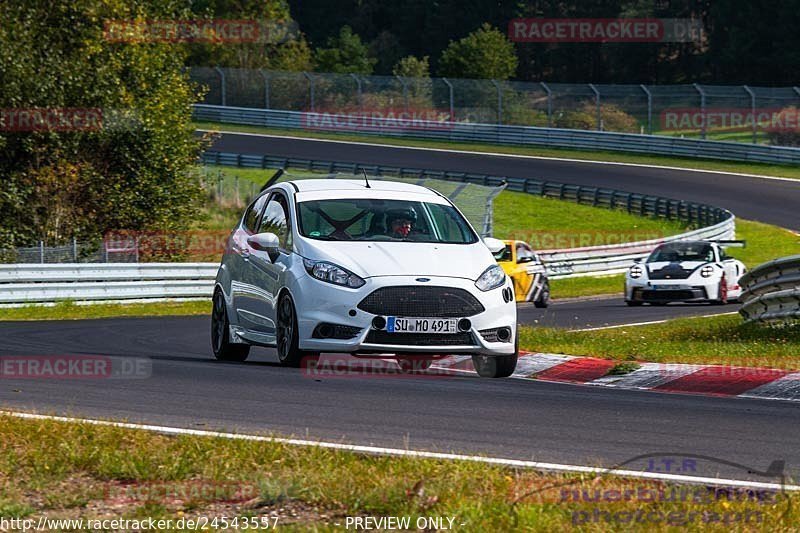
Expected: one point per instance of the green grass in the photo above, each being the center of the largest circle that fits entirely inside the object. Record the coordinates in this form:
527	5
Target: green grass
787	171
71	311
719	340
79	471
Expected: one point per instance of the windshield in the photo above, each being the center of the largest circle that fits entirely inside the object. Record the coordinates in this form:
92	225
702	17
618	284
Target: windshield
696	251
383	220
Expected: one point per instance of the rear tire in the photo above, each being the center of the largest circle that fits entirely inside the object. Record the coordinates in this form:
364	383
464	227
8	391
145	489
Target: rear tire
496	366
223	349
544	297
287	335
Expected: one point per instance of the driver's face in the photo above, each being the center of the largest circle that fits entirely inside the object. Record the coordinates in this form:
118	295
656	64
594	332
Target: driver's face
401	226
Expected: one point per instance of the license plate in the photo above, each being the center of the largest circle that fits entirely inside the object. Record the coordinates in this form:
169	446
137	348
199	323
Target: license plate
396	324
667	287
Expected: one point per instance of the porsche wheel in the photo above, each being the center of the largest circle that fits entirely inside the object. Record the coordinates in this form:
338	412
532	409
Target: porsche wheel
544	296
722	293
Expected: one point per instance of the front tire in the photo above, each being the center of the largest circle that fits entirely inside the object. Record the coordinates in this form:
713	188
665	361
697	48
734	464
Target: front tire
287	335
223	349
496	366
544	296
722	293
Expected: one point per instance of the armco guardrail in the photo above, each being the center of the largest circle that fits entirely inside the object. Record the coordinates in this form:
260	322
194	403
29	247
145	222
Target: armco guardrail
772	291
36	283
512	135
715	222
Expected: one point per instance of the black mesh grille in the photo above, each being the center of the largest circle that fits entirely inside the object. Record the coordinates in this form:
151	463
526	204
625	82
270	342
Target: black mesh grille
685	294
419	339
413	301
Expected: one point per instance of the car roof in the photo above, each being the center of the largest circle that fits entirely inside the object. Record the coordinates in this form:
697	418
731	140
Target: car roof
359	184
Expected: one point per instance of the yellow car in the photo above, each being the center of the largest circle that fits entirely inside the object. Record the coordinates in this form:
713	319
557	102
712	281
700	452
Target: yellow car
527	271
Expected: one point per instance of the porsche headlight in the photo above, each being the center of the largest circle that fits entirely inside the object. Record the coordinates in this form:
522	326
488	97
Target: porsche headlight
491	278
707	271
636	272
324	271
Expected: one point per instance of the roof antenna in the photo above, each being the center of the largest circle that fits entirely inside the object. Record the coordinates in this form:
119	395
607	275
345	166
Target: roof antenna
364	170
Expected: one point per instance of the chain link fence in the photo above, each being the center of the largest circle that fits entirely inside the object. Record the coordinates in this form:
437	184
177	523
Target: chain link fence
730	113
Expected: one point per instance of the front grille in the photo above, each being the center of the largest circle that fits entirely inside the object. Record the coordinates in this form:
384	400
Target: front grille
671	272
682	294
377	336
414	301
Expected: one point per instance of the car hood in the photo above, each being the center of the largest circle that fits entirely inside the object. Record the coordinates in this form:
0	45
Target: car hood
372	259
685	265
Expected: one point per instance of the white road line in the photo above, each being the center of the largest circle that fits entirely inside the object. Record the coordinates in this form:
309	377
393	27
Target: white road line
398	452
501	154
632	324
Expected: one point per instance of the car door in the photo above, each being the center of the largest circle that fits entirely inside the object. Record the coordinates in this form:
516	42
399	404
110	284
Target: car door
265	273
238	258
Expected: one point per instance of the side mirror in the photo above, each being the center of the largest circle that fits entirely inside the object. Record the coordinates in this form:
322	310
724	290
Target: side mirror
526	259
637	260
265	242
494	245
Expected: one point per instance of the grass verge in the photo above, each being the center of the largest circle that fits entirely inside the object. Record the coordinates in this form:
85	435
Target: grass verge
786	171
72	311
81	471
718	340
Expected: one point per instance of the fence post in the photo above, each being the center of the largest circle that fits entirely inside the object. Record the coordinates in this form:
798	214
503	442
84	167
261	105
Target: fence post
405	90
752	110
359	93
499	102
452	106
649	109
41	252
222	84
549	104
265	75
702	109
597	106
310	89
75	249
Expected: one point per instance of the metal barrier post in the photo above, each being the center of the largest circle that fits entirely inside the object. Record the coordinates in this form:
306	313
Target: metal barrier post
405	90
222	83
41	252
499	102
359	93
310	89
452	107
265	75
702	109
549	104
649	109
597	106
752	110
75	249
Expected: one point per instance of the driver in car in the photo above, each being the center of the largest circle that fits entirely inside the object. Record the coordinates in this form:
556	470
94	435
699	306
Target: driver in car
400	222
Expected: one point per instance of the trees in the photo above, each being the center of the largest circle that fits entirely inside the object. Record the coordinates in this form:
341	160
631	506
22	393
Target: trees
344	54
128	171
484	53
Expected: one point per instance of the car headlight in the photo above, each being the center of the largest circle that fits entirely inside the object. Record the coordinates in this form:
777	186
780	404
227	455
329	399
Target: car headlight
636	272
324	271
707	271
491	278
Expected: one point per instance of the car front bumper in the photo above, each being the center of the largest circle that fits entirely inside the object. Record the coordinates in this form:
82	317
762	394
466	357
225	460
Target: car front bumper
324	303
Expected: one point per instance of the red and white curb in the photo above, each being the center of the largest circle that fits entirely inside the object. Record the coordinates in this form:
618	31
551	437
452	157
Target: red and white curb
713	380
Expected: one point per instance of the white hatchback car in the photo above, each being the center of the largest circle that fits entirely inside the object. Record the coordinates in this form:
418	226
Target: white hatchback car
374	268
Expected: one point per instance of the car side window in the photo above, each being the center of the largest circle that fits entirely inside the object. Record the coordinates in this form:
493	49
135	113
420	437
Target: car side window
276	220
251	216
524	254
